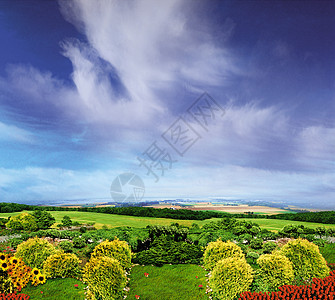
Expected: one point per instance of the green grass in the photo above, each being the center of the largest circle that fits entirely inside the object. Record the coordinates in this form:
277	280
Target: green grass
114	220
328	252
56	289
173	282
275	225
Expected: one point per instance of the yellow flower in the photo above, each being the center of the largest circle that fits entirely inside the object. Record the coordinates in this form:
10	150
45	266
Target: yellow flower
35	272
41	279
13	261
3	257
4	266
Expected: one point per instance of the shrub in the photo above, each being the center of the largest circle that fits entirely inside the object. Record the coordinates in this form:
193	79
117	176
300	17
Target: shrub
79	242
35	251
253	256
116	249
275	270
230	277
306	258
256	243
105	278
66	246
166	251
23	221
218	250
62	265
268	247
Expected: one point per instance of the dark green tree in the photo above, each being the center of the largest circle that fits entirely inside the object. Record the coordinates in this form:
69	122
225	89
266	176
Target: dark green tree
44	219
66	221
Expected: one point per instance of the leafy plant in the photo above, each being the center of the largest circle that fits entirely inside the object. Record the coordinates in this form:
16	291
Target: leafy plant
230	277
105	278
35	251
218	250
66	246
62	265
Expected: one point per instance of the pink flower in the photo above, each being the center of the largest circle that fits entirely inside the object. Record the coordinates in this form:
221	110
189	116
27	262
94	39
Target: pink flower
76	285
137	296
200	286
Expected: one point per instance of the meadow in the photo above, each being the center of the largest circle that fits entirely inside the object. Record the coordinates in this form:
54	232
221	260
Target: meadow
112	221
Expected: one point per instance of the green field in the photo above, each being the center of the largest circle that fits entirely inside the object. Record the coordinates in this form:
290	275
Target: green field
140	222
275	225
113	220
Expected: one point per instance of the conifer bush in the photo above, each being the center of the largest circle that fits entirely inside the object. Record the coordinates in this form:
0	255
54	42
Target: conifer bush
35	251
117	249
275	270
219	250
306	258
62	265
105	278
230	277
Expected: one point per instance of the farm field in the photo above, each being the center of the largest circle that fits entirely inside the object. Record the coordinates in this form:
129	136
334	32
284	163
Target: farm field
112	221
234	209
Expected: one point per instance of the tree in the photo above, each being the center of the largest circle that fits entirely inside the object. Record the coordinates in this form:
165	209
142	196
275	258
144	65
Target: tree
66	221
44	219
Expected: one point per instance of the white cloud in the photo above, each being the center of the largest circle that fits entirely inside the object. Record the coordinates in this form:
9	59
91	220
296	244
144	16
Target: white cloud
16	134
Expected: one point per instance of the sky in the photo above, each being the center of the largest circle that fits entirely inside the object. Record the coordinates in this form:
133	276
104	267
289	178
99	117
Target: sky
196	99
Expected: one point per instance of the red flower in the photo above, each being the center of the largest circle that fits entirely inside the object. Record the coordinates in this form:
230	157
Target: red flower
200	286
76	285
137	296
196	276
41	292
146	274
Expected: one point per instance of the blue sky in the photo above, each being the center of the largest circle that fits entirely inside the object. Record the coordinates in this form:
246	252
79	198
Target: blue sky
87	88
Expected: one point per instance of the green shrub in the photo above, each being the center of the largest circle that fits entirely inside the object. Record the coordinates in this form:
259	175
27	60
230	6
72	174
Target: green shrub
23	221
66	246
256	244
105	278
116	249
62	265
307	260
230	277
35	251
253	256
218	250
275	270
167	251
268	247
79	242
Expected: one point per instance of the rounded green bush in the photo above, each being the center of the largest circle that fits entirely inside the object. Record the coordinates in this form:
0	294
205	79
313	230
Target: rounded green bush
306	258
35	251
117	249
62	265
275	270
218	250
230	277
105	278
66	246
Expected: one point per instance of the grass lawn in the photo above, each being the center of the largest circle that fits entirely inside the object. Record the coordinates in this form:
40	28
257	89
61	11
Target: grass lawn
275	225
113	220
173	282
56	289
328	252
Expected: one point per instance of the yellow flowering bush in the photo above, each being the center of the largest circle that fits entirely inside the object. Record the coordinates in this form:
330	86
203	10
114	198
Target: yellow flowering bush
105	278
117	249
216	251
230	277
62	265
35	251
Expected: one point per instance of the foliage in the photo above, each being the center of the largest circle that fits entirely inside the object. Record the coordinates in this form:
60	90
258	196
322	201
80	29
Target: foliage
66	221
35	251
268	247
307	261
23	221
166	251
105	278
253	256
218	250
275	270
116	249
256	243
178	234
44	219
79	242
62	265
230	277
66	246
319	289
